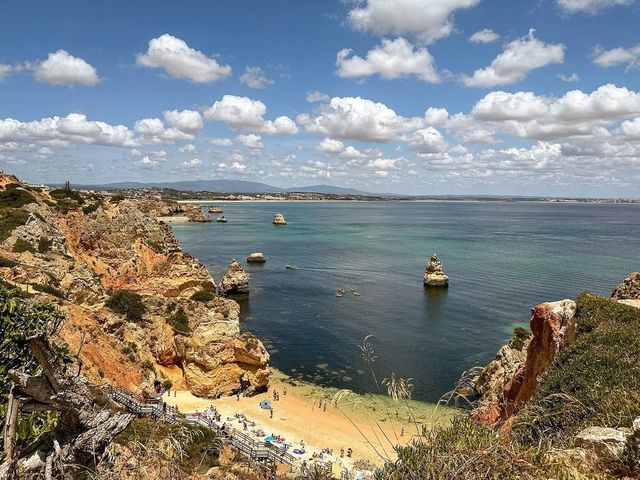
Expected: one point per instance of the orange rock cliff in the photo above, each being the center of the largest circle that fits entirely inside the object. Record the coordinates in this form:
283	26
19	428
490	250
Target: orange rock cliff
78	248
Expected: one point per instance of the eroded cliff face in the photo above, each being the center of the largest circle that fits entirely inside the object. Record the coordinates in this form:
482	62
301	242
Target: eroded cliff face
511	379
79	258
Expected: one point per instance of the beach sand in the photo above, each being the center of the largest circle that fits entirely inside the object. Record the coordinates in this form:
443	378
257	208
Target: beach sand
298	416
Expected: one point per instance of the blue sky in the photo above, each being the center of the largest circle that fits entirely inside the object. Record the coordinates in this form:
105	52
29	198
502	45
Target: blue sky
542	100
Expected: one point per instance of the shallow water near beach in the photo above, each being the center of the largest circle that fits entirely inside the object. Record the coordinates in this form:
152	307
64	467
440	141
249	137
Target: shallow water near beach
502	258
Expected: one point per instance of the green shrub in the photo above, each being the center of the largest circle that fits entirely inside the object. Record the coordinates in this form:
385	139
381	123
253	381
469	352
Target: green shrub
128	304
594	381
67	194
117	198
465	450
10	218
90	208
147	365
203	296
47	289
126	350
180	321
15	197
200	445
22	246
521	335
44	244
7	263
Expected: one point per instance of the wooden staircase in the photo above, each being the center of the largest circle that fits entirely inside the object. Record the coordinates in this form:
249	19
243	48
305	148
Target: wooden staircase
259	451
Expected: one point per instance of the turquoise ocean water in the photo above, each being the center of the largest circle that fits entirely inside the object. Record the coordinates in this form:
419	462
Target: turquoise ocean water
502	258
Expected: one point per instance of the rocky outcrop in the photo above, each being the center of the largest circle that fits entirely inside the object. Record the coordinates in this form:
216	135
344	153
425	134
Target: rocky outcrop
278	219
629	289
235	280
214	209
118	245
511	380
256	257
194	214
434	274
607	444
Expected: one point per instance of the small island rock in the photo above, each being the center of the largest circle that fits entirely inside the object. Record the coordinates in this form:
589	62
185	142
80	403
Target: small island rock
256	257
235	280
194	214
278	219
434	274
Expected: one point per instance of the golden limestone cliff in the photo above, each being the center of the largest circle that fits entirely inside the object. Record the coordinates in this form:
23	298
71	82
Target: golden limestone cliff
79	249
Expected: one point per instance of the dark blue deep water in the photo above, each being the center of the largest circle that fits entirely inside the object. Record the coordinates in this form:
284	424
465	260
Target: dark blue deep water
501	258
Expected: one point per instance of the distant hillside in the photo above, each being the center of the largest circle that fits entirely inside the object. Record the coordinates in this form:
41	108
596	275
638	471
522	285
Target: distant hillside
329	189
230	186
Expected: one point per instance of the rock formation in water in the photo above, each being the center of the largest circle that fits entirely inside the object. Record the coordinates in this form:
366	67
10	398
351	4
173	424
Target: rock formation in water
256	257
78	249
235	280
511	379
214	209
278	219
629	289
194	214
434	274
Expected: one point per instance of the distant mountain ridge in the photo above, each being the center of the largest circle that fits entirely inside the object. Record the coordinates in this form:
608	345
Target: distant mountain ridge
230	186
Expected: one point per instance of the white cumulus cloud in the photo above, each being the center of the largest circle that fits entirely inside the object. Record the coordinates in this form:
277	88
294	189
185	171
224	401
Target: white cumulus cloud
255	77
192	164
591	7
251	141
188	121
485	35
181	61
62	68
360	119
316	96
518	59
244	114
425	20
618	56
391	59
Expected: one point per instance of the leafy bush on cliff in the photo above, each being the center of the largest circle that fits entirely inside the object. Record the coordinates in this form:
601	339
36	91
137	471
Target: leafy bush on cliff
21	246
67	199
465	450
10	218
44	244
7	262
128	304
203	296
595	381
14	197
198	447
180	321
47	289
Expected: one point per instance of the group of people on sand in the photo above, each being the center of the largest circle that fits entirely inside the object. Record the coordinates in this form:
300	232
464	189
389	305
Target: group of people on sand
276	394
322	405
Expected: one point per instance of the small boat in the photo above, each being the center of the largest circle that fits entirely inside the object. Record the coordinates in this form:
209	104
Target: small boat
221	219
291	267
356	294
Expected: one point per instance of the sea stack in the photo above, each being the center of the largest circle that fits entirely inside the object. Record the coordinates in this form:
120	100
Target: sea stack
278	219
257	257
434	274
194	214
214	209
235	280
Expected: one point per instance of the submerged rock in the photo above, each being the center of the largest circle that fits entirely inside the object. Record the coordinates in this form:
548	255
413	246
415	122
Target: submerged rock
278	219
629	289
434	274
235	280
256	257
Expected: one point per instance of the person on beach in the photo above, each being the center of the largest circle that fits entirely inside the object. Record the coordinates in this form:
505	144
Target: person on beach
402	432
271	413
342	452
325	407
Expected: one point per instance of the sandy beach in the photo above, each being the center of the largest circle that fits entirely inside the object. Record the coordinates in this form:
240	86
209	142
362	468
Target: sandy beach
301	415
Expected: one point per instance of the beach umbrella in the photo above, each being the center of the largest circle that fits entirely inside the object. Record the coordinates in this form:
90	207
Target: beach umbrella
265	404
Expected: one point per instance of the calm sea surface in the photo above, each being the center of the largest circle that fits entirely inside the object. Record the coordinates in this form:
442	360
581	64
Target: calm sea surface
501	258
